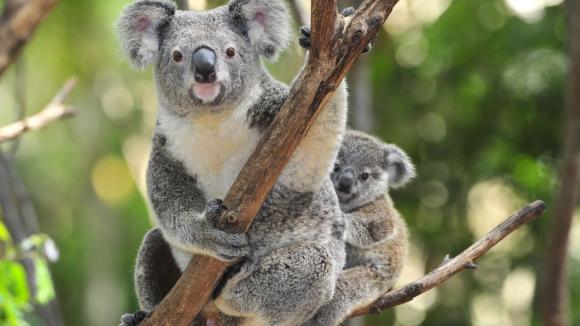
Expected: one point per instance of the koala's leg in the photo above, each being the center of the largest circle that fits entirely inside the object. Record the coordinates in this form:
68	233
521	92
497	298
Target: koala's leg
312	161
283	288
155	274
156	271
356	287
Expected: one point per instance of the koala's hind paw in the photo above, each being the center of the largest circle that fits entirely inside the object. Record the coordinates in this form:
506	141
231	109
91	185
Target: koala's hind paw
133	319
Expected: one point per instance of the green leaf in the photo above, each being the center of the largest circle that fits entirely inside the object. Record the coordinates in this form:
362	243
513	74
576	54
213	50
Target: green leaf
44	287
4	234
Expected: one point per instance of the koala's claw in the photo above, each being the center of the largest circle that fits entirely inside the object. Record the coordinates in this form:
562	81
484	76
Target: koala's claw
348	11
133	319
304	39
214	210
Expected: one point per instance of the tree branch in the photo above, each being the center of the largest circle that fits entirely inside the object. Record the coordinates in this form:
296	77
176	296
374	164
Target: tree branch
450	267
54	111
555	288
18	22
333	52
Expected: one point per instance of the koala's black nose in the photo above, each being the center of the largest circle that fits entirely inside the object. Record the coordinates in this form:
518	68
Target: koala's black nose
345	182
204	65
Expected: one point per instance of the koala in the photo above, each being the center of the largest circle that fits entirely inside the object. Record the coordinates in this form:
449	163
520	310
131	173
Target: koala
374	232
216	100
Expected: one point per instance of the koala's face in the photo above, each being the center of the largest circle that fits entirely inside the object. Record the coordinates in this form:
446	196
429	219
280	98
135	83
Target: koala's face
366	168
204	61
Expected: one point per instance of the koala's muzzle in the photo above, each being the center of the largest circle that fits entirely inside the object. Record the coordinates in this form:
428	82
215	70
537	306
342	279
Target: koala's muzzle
204	65
345	182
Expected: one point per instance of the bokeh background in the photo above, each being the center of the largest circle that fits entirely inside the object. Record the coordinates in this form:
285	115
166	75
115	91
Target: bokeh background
472	90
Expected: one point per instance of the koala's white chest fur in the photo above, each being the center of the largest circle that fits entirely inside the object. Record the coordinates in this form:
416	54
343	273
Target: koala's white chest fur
213	147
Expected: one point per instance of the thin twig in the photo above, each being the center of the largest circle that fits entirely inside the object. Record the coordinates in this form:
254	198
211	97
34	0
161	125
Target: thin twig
18	22
451	266
54	111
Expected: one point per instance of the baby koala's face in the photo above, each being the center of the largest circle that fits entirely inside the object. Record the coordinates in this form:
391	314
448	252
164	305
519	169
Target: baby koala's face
366	168
358	180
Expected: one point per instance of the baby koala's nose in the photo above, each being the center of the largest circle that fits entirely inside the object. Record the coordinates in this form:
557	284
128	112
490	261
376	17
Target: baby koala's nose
345	182
204	65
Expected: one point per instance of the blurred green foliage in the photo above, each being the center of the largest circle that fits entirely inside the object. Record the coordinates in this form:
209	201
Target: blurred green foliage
473	90
16	298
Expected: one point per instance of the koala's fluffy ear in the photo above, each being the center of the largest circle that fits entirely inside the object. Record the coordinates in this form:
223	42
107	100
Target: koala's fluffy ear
139	29
265	22
399	166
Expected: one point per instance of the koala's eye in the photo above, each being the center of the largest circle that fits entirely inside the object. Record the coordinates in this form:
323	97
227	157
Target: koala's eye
365	176
177	56
336	168
230	52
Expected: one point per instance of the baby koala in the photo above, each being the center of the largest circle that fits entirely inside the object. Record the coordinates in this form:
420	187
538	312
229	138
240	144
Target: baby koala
374	232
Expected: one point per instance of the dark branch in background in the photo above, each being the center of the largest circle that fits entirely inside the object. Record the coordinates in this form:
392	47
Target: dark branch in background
450	267
556	292
18	22
335	48
54	111
21	220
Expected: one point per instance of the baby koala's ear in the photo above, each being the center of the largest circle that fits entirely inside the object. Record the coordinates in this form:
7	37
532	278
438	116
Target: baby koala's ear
265	22
398	165
139	29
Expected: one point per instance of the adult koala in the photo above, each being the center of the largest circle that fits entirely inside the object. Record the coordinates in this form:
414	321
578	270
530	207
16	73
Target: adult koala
215	101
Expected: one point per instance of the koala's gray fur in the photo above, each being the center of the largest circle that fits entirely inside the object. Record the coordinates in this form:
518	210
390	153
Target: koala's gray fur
204	135
375	233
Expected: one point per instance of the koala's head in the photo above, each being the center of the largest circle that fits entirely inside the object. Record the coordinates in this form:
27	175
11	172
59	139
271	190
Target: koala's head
366	168
204	61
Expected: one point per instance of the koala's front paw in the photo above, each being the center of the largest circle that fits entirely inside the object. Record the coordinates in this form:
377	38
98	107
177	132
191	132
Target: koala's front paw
133	319
214	209
305	40
228	247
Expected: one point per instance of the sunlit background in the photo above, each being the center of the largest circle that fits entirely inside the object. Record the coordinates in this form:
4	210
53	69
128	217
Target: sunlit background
472	90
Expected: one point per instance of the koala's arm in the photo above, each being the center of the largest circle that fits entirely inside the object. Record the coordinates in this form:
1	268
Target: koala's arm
180	206
312	161
368	225
310	164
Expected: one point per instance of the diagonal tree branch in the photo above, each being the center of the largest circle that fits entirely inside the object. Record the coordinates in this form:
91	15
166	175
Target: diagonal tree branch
54	111
450	267
335	48
18	22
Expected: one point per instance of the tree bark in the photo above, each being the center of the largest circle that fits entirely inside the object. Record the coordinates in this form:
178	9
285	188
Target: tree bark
335	48
556	293
18	22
